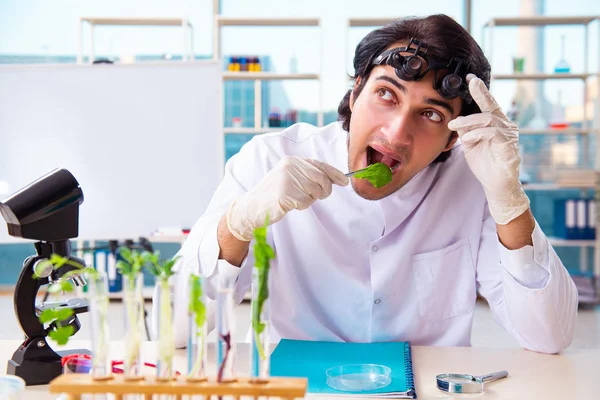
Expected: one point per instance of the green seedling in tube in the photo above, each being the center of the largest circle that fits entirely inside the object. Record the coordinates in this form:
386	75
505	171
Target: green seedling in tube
130	266
198	309
163	270
263	253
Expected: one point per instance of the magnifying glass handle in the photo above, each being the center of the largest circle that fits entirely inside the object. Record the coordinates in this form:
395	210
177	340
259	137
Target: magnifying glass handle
494	376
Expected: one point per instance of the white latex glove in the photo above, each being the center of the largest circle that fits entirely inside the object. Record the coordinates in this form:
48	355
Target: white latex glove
294	183
491	146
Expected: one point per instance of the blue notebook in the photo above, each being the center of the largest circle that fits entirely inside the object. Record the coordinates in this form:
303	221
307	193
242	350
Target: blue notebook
310	359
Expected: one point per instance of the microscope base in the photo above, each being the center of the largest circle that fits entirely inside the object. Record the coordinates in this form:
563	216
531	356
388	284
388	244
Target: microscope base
38	364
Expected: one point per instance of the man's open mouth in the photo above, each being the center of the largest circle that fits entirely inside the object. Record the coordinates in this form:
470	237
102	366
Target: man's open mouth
374	156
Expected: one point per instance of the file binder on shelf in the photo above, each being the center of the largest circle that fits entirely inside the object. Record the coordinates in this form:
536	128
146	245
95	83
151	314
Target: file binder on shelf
575	219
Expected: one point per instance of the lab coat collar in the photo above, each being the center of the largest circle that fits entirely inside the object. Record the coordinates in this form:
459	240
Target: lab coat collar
399	206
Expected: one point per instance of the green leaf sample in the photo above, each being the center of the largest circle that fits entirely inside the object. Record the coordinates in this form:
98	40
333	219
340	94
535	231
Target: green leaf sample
379	174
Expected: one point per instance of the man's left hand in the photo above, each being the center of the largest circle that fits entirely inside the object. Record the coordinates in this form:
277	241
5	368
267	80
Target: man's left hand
491	147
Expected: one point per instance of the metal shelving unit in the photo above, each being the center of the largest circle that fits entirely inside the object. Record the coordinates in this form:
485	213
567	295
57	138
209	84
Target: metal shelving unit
245	131
221	22
267	76
555	186
233	21
537	77
187	28
558	242
551	131
538	20
586	130
369	22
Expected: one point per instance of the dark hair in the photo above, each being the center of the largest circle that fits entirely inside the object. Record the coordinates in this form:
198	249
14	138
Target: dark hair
445	39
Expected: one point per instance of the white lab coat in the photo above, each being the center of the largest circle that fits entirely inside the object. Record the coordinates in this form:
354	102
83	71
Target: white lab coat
406	267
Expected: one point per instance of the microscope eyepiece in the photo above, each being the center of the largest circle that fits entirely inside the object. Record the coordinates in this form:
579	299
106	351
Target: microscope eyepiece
46	209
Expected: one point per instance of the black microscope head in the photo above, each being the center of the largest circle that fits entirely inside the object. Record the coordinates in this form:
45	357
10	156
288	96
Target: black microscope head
46	209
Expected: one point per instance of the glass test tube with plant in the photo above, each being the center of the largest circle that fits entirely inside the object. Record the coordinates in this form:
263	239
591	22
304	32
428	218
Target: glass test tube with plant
226	350
130	266
163	270
196	349
260	308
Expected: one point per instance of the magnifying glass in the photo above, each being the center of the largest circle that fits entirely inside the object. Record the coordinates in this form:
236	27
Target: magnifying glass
463	383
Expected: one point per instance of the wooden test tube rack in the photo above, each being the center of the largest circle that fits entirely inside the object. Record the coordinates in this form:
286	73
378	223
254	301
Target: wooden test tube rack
75	385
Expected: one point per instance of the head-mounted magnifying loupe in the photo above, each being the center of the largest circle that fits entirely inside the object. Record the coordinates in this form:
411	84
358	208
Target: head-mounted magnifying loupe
410	67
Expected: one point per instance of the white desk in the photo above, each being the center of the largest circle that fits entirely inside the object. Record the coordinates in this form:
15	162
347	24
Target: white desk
571	375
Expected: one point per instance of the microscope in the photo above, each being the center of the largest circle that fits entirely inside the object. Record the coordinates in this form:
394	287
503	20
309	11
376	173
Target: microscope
47	210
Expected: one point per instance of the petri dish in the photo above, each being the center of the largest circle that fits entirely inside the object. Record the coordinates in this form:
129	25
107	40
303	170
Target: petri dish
358	377
11	387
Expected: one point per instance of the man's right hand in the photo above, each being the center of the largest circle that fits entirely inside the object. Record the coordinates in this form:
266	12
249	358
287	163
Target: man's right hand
294	183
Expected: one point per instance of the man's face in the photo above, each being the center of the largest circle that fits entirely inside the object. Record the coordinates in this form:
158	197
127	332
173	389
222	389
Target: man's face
403	124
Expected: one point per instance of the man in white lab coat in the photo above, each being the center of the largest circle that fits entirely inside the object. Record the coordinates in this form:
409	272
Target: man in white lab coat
404	261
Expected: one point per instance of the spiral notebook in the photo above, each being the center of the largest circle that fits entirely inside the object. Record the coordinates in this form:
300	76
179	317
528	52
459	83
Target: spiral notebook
310	359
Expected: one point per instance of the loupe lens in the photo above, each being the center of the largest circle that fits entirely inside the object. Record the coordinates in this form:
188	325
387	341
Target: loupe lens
414	63
451	85
453	82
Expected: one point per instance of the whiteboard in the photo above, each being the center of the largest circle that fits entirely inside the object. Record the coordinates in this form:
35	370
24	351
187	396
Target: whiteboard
144	141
